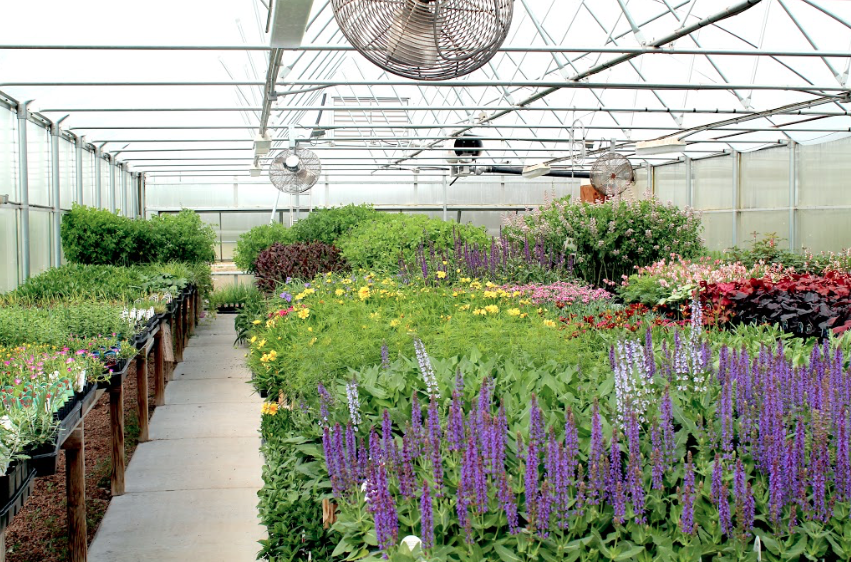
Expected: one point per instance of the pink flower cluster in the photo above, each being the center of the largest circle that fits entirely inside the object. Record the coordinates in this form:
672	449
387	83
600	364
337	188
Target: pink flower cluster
562	291
677	271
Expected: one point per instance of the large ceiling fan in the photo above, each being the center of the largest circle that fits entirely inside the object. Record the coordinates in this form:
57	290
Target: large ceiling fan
425	39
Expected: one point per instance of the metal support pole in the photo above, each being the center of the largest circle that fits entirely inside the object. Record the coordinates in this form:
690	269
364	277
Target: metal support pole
111	197
98	180
55	132
23	185
737	187
650	188
793	194
79	167
123	186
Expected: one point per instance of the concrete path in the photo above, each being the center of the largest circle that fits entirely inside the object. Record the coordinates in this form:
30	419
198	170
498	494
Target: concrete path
192	490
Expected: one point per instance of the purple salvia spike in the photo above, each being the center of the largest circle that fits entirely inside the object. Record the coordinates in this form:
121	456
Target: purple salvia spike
426	518
687	499
596	472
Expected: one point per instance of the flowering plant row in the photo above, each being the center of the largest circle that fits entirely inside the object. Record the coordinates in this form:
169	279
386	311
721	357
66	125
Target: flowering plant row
692	454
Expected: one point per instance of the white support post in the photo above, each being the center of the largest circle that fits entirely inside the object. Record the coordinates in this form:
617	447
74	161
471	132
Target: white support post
111	195
24	193
55	133
737	187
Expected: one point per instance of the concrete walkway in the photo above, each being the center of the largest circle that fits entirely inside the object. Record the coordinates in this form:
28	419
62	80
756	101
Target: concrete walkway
192	490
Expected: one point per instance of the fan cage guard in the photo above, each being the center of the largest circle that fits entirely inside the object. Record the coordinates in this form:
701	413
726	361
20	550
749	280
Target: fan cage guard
294	183
425	39
612	174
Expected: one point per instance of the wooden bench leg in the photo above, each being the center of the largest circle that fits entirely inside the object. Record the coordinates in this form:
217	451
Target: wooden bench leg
159	370
116	417
142	392
75	486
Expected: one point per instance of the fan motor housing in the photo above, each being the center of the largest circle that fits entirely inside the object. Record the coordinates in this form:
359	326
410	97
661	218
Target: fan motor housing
465	150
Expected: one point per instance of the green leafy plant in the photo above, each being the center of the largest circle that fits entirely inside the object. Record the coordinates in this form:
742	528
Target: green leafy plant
768	249
381	243
611	239
251	243
182	237
96	236
328	225
233	294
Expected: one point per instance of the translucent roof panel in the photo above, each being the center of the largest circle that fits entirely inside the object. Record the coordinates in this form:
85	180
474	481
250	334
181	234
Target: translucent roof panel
574	78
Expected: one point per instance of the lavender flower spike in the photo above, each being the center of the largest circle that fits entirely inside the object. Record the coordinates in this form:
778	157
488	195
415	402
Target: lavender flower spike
426	369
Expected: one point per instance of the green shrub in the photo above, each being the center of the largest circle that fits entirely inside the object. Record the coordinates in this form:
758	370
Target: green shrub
76	282
182	237
328	225
611	239
378	244
57	324
99	237
251	243
96	236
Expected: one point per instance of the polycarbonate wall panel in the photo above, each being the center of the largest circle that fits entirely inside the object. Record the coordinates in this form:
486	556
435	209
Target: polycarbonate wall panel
713	183
8	248
40	241
234	225
765	179
718	230
670	184
191	195
757	225
827	230
8	154
104	183
67	173
88	178
38	164
824	171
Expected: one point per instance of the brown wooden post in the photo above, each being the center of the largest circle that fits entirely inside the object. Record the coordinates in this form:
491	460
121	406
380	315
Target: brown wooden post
116	417
190	314
198	305
177	331
159	370
142	396
75	486
187	326
3	545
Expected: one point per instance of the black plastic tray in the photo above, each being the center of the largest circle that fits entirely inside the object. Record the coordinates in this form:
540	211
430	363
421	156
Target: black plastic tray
88	395
45	458
119	373
16	485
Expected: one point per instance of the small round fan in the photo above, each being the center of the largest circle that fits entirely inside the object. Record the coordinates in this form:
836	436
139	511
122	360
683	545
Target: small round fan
295	171
612	174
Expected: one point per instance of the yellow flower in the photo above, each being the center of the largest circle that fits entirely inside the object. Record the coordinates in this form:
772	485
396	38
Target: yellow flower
304	313
454	293
524	315
514	312
492	308
490	294
465	307
313	341
339	292
516	294
549	324
465	279
363	293
309	329
260	344
374	315
339	302
475	285
445	262
269	408
457	271
256	322
489	285
441	275
480	312
253	339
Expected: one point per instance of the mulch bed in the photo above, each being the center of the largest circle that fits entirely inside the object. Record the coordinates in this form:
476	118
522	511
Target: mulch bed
39	532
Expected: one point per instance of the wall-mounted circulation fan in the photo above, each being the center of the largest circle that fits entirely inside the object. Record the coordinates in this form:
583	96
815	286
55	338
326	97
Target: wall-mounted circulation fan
295	170
425	39
612	174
